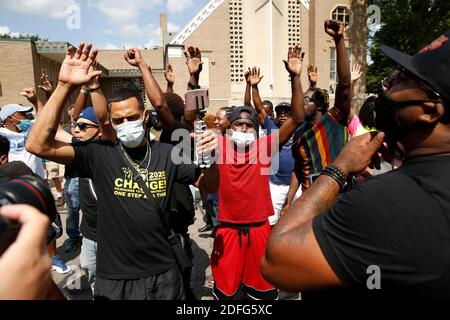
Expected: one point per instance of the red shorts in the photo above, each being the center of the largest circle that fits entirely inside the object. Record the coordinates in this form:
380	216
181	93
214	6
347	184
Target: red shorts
236	260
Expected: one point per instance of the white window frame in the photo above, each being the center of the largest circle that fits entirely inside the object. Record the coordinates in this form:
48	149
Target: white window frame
332	80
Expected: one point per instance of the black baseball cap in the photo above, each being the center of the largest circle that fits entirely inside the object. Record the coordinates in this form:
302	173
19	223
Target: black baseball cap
283	106
236	115
431	65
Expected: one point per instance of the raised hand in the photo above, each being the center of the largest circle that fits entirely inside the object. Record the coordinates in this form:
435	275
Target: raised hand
45	84
75	69
30	94
312	74
254	76
170	75
294	61
356	73
334	28
134	57
94	83
247	75
193	60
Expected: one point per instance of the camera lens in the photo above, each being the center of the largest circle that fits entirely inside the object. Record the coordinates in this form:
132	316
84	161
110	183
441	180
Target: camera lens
28	190
31	191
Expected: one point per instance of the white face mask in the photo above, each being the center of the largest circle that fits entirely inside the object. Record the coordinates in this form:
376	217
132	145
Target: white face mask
242	139
131	133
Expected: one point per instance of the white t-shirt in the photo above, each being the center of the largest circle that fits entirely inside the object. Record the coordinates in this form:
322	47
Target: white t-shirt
17	151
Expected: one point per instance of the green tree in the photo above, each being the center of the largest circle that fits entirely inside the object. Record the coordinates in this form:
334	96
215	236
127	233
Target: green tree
32	37
407	25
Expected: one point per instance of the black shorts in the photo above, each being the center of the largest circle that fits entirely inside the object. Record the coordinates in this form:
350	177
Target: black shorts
164	286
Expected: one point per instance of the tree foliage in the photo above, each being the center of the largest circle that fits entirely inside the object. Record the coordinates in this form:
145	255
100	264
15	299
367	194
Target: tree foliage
32	37
407	25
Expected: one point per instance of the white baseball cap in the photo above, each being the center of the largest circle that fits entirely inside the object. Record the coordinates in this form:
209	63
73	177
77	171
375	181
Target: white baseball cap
9	109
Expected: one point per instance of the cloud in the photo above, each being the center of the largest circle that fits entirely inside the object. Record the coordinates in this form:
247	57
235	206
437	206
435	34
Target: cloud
173	27
124	18
120	11
178	6
6	30
110	46
55	9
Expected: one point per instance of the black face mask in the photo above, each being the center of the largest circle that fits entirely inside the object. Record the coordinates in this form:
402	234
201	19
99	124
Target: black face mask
386	116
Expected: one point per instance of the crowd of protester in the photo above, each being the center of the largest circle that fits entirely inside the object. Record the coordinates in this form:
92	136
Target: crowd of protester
301	196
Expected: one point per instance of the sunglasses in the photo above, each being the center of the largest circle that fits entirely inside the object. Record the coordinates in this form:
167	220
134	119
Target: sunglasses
83	125
403	74
383	100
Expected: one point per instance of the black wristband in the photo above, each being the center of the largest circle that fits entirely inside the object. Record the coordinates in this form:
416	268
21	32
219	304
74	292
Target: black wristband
337	174
192	87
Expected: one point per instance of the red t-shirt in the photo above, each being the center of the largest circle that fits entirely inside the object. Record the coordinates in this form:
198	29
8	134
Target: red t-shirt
244	193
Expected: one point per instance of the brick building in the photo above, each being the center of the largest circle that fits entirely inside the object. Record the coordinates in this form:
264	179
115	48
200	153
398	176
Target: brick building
232	34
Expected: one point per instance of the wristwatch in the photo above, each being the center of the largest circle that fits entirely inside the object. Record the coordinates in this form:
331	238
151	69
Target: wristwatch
85	92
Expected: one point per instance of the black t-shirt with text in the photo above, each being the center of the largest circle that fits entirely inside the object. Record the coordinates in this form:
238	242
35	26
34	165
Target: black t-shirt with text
397	223
132	243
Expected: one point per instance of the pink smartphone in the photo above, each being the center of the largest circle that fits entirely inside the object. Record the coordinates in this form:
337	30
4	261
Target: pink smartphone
197	100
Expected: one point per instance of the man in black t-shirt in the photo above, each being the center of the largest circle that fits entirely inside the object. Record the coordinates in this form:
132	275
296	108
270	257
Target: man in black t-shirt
86	129
391	234
134	258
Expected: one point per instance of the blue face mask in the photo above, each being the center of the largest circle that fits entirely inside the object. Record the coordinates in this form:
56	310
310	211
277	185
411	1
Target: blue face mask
131	133
24	125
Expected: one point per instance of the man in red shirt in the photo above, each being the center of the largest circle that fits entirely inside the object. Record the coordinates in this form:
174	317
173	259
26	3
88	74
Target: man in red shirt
244	195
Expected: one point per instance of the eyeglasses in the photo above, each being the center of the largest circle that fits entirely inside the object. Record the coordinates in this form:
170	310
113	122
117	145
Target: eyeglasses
83	125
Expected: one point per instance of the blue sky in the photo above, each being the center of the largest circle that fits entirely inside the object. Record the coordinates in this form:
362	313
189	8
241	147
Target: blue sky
109	24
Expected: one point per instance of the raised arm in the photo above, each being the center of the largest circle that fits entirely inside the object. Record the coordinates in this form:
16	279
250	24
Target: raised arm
32	98
294	66
170	78
355	76
254	78
74	72
195	66
80	103
312	76
100	105
154	92
248	88
46	86
343	96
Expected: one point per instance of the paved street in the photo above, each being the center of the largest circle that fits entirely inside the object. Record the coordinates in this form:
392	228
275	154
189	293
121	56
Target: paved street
75	284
